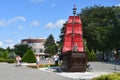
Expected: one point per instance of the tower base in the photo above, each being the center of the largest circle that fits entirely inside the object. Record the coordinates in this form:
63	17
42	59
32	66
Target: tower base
74	62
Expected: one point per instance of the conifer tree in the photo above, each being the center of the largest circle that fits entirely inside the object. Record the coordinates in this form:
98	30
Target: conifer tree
29	57
50	45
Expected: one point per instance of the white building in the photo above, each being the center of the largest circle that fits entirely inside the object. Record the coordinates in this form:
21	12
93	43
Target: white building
37	45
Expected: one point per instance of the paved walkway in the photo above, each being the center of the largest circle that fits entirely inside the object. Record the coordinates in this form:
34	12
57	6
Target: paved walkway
11	72
98	68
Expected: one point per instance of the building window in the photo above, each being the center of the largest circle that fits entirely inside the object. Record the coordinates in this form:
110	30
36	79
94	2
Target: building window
41	50
34	50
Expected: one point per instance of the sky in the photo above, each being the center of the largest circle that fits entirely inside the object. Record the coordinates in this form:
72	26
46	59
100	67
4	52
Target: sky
23	19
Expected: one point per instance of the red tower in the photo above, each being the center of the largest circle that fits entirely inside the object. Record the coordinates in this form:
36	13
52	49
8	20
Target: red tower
73	40
74	56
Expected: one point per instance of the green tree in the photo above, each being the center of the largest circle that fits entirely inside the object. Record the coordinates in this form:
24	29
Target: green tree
50	41
98	22
52	49
29	57
2	50
20	49
62	33
50	45
5	55
114	35
9	49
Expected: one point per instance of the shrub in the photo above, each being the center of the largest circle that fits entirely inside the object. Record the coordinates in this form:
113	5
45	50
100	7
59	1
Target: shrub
2	60
11	55
5	55
114	76
29	57
88	53
11	60
0	54
93	55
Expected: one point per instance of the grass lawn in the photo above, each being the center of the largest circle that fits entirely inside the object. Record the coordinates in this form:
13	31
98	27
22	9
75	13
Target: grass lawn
113	76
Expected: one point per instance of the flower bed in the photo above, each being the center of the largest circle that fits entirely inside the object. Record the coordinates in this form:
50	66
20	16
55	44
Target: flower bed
41	65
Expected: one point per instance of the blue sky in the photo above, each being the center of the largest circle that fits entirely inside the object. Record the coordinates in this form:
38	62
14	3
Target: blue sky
21	19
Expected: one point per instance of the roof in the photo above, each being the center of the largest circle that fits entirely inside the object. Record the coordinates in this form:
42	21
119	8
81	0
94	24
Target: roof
37	40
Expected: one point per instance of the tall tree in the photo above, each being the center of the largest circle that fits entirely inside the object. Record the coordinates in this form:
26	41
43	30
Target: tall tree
62	33
98	22
20	49
114	35
9	49
50	45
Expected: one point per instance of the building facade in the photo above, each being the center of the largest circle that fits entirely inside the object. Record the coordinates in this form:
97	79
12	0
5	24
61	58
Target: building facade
37	45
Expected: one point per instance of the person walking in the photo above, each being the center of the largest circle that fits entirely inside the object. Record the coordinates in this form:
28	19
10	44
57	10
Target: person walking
37	60
56	58
18	59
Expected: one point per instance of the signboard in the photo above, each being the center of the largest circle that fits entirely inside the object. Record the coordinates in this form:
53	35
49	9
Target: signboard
80	55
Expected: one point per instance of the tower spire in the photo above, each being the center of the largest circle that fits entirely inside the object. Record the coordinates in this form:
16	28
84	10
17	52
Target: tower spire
74	10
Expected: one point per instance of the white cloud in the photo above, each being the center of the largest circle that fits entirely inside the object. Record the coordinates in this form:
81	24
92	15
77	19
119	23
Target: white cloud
37	1
14	20
58	23
10	45
1	44
35	23
8	41
53	5
49	25
3	23
20	27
